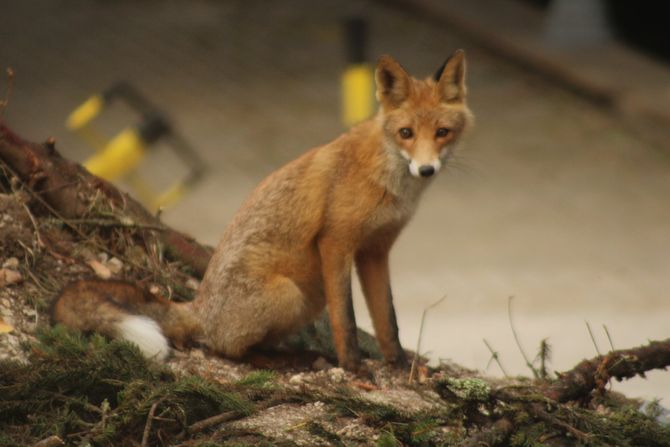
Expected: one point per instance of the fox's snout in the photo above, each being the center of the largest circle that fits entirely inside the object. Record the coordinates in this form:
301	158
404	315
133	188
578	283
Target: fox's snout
422	168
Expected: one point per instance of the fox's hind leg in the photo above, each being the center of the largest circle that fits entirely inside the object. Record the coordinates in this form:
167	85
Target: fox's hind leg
264	317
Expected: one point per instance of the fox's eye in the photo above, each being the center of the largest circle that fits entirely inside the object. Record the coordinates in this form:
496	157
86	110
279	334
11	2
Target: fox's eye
442	132
406	133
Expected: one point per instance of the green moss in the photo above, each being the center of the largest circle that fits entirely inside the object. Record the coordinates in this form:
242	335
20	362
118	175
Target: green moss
91	390
630	427
387	439
101	392
532	435
469	389
263	379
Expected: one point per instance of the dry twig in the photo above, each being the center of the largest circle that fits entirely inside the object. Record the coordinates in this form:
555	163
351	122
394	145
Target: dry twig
593	339
609	337
8	91
494	357
147	426
204	424
516	338
415	360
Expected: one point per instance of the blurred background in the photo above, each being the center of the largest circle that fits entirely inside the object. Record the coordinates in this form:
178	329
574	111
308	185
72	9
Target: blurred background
560	196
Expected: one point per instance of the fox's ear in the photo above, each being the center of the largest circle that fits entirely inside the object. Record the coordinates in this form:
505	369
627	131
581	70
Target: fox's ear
450	78
393	82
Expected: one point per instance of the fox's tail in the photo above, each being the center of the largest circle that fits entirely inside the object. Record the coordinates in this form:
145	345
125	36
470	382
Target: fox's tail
122	310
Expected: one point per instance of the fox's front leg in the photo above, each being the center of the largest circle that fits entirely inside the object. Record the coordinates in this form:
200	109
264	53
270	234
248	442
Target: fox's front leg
336	263
373	272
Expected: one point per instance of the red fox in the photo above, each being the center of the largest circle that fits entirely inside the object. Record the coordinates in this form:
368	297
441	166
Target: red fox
290	249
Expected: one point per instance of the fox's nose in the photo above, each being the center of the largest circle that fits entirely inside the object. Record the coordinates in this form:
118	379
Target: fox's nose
426	170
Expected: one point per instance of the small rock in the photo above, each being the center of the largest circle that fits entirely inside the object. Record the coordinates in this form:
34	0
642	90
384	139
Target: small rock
6	313
115	265
297	379
11	263
197	354
337	375
8	277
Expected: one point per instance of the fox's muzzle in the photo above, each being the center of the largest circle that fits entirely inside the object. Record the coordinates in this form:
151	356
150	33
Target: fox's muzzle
425	169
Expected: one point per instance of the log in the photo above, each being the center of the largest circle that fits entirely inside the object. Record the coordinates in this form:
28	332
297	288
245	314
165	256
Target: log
621	364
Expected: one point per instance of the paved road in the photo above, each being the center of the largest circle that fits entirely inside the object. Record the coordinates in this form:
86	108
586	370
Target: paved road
552	200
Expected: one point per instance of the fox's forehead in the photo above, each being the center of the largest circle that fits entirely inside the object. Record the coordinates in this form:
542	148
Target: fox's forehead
433	115
424	107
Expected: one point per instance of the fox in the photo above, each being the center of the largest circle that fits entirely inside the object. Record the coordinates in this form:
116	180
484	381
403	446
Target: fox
290	250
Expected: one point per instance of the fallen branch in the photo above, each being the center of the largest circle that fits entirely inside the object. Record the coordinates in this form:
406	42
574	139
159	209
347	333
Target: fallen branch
199	426
417	353
596	373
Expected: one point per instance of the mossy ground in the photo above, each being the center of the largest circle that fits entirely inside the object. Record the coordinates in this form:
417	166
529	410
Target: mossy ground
92	391
88	390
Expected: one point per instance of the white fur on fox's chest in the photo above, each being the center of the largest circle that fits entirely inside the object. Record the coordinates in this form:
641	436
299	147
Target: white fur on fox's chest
396	209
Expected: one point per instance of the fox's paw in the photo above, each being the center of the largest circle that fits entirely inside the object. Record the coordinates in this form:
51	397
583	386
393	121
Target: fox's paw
399	361
350	362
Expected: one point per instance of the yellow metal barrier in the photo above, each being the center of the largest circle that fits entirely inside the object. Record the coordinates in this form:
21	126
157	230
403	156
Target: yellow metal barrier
357	93
357	83
85	113
122	154
119	157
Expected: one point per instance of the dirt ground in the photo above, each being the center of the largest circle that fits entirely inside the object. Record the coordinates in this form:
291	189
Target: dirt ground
552	201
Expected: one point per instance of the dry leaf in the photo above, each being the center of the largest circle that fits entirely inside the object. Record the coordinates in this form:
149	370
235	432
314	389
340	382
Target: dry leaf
5	328
100	269
366	386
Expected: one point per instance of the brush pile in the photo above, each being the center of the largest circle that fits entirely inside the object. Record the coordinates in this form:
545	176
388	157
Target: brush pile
58	224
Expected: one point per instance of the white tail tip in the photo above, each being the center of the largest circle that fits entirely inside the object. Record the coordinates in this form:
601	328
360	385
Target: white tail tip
146	334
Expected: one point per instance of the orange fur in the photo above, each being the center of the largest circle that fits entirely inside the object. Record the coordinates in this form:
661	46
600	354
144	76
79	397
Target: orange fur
98	305
290	249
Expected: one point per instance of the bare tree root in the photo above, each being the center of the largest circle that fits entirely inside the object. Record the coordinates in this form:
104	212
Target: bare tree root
67	189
